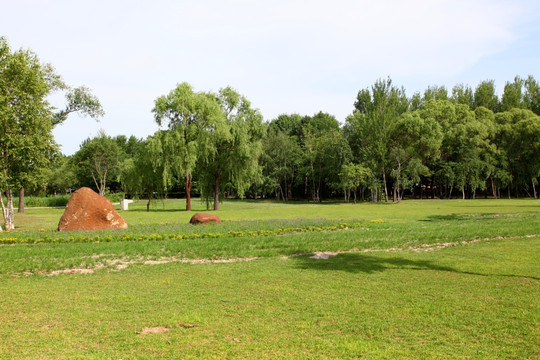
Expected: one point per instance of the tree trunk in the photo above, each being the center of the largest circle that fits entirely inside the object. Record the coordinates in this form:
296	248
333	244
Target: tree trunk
534	190
9	213
3	208
149	199
463	192
280	192
187	185
21	201
354	192
216	194
385	187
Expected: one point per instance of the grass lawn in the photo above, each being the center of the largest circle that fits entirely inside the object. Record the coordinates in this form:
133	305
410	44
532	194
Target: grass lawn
416	280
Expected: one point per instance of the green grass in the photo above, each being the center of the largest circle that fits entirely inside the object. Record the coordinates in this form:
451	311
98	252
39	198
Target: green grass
477	299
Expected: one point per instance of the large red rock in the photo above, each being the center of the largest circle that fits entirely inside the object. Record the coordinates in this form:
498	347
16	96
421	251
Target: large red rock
87	210
202	218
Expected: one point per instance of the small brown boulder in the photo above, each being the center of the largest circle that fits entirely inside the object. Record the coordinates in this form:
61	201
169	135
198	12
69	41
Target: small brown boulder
202	218
87	210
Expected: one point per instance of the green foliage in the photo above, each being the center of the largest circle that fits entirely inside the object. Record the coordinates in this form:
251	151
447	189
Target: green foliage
61	176
97	161
43	201
79	100
485	95
147	174
192	117
370	126
280	159
26	141
354	177
233	148
467	141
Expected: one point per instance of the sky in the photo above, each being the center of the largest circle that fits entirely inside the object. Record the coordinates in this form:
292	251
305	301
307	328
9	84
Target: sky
295	56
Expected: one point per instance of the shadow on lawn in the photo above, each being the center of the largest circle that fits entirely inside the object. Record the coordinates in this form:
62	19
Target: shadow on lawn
363	263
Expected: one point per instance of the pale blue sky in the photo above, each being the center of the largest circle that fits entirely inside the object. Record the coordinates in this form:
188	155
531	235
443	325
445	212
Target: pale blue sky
284	56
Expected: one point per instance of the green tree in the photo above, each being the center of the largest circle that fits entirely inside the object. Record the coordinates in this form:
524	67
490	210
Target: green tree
26	142
435	93
485	96
98	159
325	150
79	100
415	141
531	97
61	176
369	128
512	96
234	148
464	146
280	159
462	94
191	118
353	177
519	138
147	172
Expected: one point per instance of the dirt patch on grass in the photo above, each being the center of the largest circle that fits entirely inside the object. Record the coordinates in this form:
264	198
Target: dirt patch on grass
325	255
153	330
71	271
118	264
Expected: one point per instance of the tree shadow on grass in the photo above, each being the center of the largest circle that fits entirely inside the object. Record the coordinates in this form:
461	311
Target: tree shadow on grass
369	264
357	263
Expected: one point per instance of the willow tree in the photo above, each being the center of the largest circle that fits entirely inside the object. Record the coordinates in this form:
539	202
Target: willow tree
26	141
235	144
190	116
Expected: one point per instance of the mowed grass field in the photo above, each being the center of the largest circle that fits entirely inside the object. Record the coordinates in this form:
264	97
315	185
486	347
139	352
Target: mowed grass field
430	279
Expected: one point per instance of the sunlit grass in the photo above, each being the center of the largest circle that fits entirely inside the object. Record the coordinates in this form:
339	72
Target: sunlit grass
416	280
474	301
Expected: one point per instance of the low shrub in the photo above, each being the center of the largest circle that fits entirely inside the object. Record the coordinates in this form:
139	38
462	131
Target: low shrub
43	201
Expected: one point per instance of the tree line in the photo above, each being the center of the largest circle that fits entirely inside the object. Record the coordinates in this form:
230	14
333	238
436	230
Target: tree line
438	143
435	144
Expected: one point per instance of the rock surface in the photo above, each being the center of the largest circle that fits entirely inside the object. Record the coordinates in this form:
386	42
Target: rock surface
87	210
202	218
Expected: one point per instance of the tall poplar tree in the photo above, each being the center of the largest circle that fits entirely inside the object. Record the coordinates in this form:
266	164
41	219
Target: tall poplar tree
371	123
